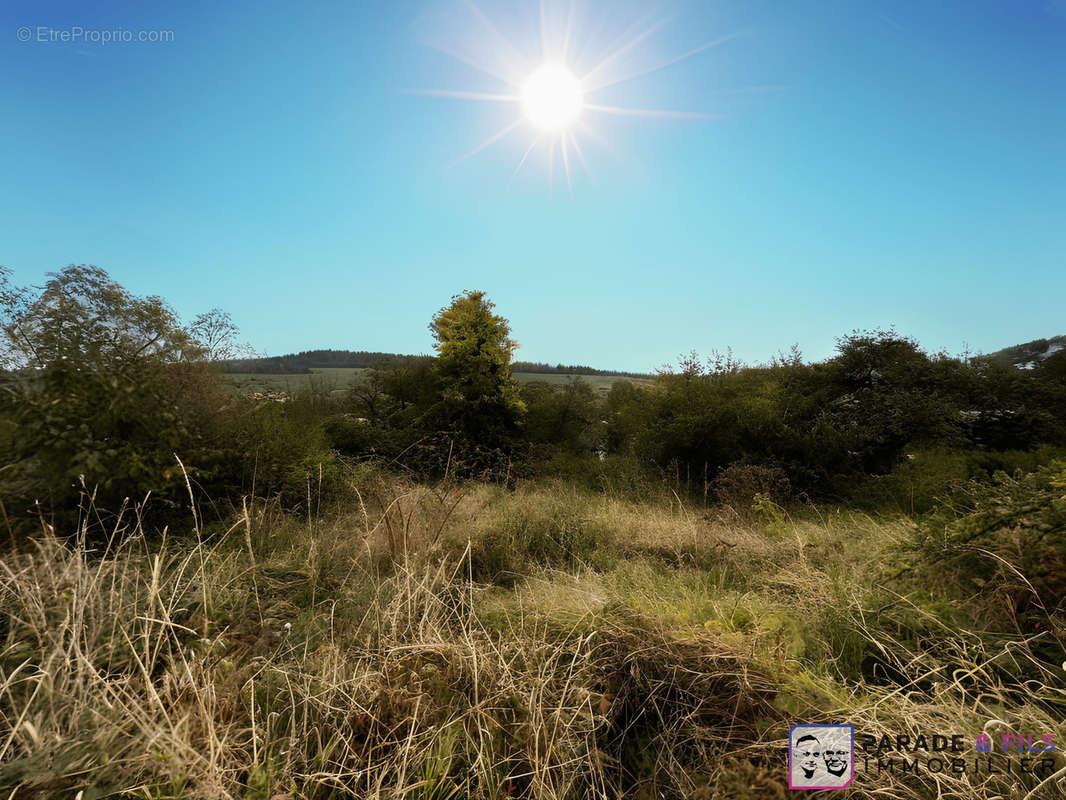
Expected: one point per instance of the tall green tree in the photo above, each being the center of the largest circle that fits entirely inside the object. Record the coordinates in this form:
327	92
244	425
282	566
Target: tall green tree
479	398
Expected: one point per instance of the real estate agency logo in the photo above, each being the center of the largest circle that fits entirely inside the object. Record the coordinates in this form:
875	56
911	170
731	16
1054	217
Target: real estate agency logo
821	756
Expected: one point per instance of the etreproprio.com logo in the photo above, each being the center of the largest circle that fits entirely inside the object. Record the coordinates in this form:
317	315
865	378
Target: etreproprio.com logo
825	757
77	34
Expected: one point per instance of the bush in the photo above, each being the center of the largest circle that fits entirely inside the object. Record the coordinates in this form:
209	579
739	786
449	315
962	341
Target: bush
280	449
562	418
739	485
1003	544
927	476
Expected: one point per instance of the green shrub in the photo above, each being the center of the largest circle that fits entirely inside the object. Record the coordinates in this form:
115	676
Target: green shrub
928	475
280	449
916	484
1003	546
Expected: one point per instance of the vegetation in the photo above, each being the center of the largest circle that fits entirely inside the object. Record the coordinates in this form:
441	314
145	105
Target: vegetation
441	583
338	380
306	360
478	397
1030	354
103	391
452	641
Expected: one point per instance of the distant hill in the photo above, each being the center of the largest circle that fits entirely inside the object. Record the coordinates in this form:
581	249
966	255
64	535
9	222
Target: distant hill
572	369
1031	354
307	360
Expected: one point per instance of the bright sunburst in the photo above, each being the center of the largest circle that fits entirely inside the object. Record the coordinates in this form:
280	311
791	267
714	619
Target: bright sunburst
554	90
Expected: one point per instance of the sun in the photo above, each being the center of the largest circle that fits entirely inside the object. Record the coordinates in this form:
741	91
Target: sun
552	98
553	73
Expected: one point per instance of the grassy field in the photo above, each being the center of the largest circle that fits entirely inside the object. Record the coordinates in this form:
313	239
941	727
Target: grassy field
453	641
339	379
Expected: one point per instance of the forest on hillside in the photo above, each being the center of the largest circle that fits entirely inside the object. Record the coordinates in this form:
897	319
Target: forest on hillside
307	360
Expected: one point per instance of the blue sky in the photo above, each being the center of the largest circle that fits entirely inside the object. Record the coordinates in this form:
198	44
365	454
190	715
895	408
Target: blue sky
902	164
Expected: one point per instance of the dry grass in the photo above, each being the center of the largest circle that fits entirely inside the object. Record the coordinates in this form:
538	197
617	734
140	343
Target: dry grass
352	655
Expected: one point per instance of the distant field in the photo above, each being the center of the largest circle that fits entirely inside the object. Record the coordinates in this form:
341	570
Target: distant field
339	379
330	379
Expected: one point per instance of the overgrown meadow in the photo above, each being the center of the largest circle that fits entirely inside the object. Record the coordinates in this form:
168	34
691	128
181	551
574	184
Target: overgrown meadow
441	583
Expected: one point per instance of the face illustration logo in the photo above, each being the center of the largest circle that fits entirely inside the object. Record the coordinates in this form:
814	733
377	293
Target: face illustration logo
821	756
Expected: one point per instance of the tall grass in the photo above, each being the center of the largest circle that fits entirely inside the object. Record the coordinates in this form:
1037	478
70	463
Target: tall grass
631	650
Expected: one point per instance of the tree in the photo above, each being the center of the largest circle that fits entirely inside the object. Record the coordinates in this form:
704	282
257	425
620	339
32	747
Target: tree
479	398
83	320
102	387
888	393
216	333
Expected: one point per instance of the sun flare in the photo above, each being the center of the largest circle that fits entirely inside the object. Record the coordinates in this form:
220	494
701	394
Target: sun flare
552	98
557	91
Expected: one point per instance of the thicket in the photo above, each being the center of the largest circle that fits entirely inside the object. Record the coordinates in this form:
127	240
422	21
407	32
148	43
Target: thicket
866	425
882	424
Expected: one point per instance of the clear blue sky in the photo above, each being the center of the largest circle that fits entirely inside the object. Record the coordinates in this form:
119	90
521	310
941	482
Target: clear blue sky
909	169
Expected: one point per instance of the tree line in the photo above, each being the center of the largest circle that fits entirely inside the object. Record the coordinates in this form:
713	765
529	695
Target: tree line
307	360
